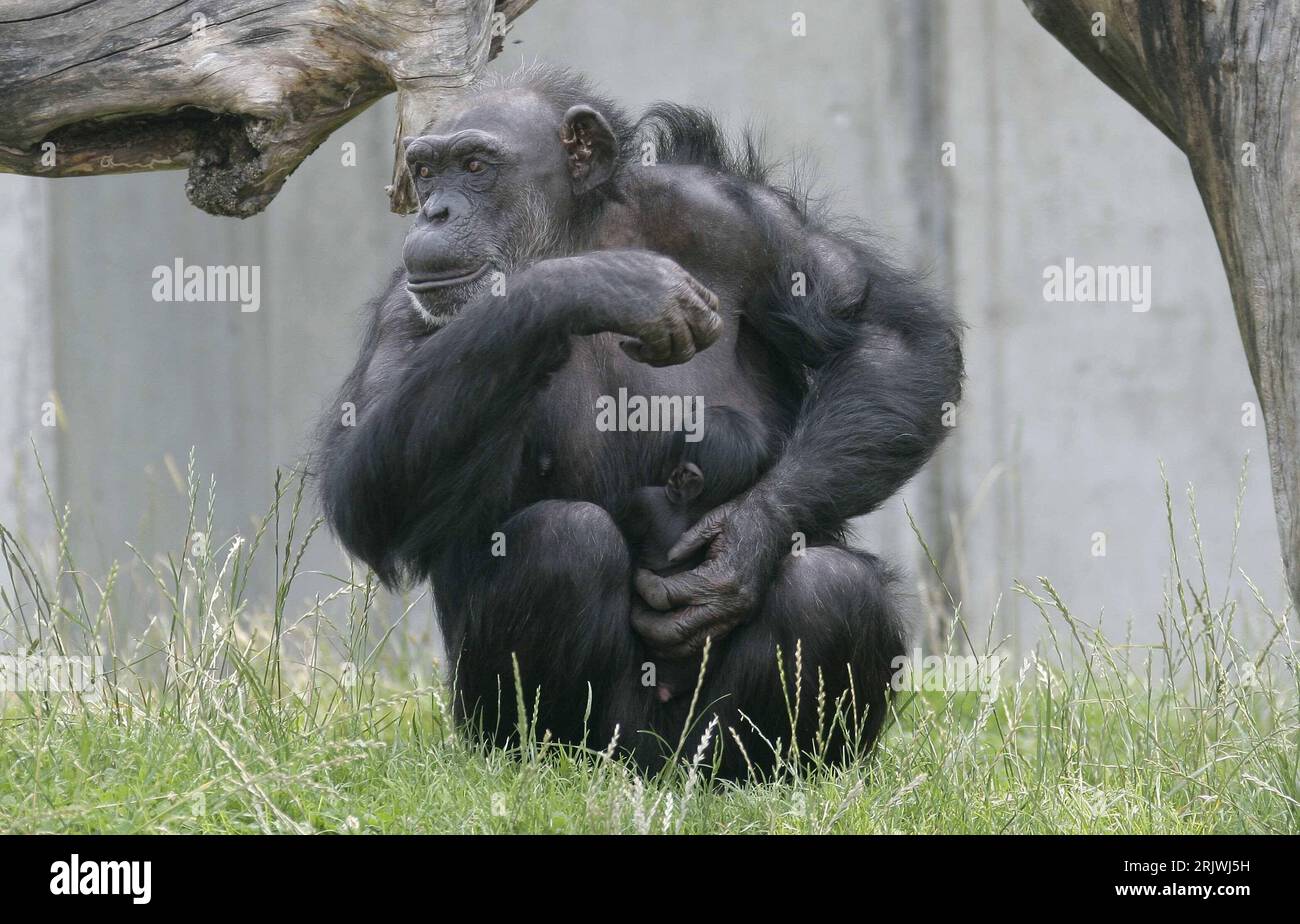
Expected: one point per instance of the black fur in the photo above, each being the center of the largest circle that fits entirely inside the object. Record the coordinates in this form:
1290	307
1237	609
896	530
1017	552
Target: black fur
826	389
735	451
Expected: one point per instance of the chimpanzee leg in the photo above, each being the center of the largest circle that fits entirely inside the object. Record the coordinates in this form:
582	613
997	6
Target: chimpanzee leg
558	601
835	607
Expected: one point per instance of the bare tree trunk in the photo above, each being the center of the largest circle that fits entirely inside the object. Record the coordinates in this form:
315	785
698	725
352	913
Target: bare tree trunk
1221	78
238	92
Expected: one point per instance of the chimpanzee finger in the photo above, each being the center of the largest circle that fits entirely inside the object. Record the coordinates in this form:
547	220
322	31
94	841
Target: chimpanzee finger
675	345
702	315
665	342
698	535
640	351
653	347
681	634
683	344
674	590
705	293
667	634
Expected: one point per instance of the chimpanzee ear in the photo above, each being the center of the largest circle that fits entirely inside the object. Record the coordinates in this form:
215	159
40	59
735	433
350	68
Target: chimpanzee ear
593	151
685	483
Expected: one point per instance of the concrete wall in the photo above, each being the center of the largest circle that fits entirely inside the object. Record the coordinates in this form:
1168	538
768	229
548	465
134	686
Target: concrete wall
27	426
1069	408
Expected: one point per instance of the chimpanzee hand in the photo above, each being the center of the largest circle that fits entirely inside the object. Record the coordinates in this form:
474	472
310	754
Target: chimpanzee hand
745	543
646	296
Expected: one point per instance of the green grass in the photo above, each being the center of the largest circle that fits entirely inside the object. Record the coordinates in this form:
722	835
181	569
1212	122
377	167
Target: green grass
221	716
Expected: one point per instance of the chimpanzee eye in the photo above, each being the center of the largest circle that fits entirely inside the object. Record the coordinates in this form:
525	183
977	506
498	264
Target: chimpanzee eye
425	172
474	165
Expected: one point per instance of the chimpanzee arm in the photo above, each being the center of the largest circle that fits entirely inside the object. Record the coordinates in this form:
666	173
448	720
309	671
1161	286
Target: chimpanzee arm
880	357
883	359
434	451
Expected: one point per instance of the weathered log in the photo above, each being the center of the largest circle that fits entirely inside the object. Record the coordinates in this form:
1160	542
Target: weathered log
1221	78
237	92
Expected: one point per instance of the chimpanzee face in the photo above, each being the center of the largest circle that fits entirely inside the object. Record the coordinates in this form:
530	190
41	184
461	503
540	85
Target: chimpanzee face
496	180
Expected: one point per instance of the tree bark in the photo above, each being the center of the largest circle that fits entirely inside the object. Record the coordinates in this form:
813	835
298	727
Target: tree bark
236	91
1221	78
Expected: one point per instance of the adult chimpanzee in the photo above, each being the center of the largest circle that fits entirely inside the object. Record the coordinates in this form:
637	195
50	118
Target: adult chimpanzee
562	253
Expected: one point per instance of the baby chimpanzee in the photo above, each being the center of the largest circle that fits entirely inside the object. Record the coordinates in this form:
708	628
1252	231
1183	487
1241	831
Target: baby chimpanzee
732	455
659	514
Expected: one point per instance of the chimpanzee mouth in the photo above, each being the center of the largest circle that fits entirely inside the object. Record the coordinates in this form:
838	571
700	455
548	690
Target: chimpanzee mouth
427	282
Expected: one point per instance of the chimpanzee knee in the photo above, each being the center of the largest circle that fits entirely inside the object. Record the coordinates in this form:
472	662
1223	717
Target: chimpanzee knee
555	602
833	614
570	548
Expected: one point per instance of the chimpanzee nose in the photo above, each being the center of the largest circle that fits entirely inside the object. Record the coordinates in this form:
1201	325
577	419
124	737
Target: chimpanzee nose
440	208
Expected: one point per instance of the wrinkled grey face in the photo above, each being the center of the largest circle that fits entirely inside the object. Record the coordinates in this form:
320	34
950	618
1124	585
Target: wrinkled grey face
493	184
